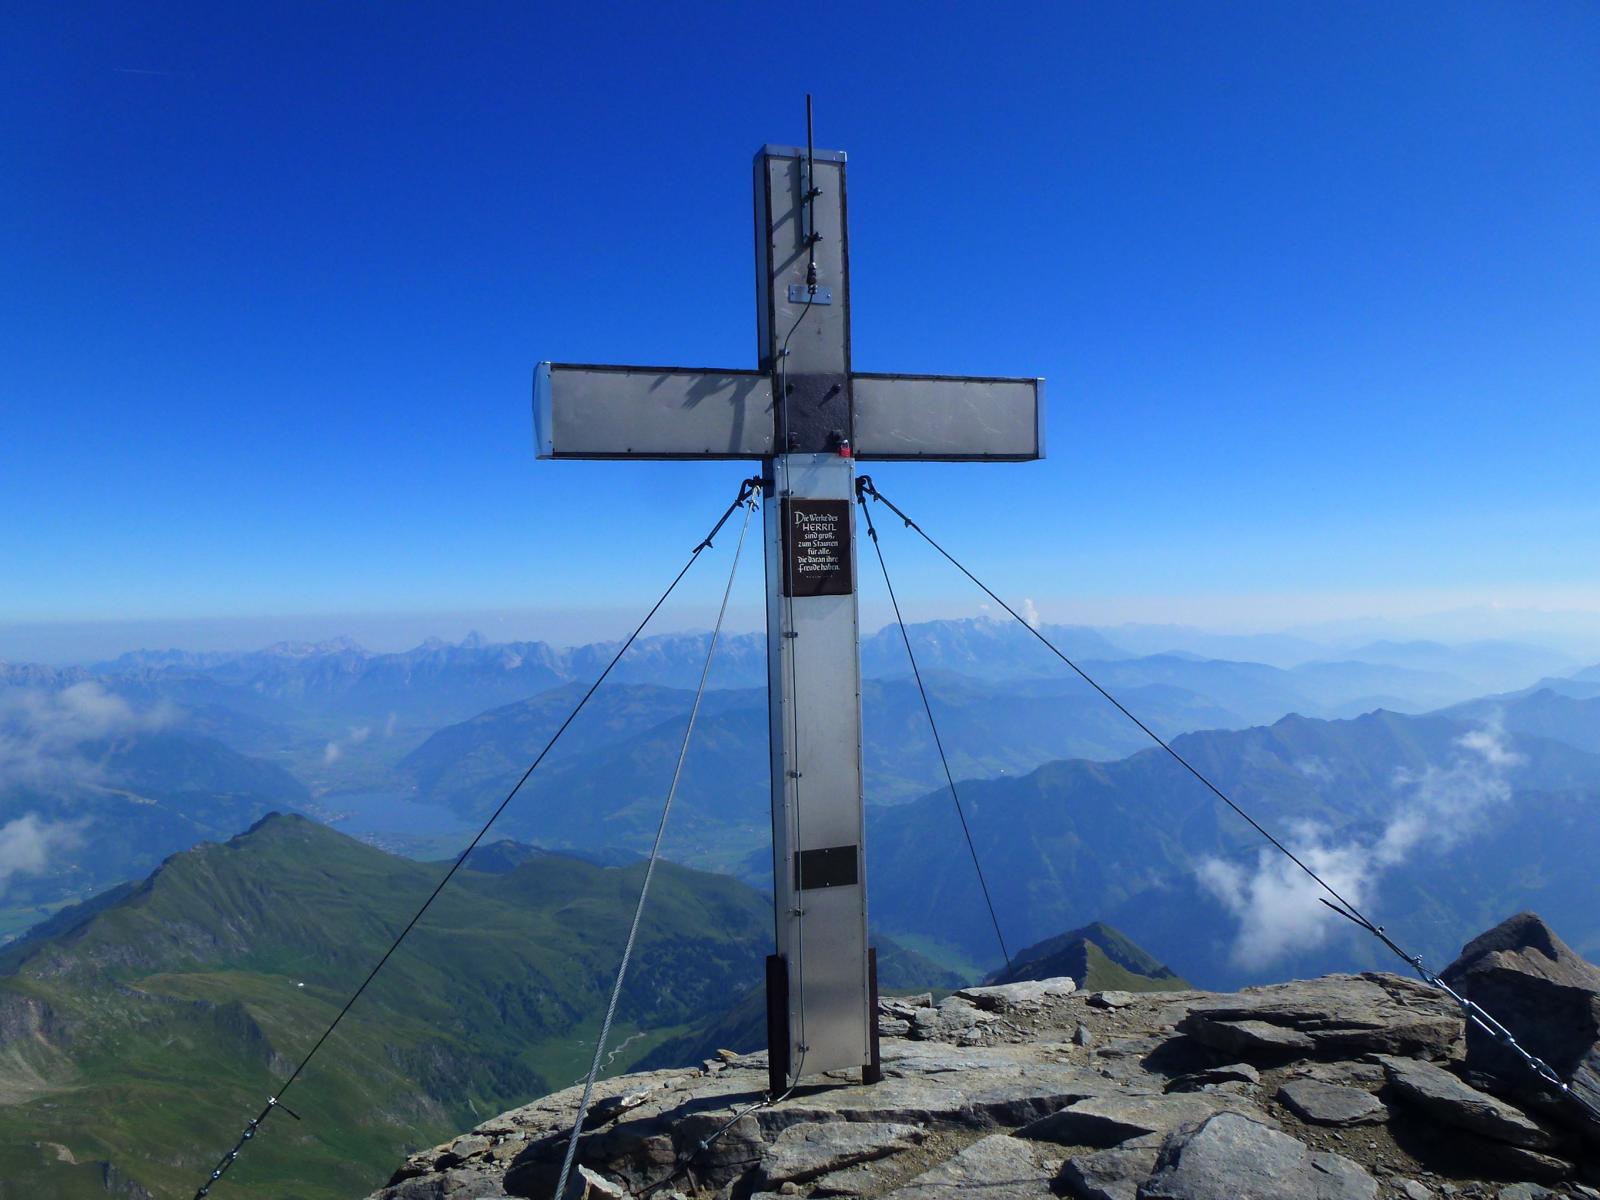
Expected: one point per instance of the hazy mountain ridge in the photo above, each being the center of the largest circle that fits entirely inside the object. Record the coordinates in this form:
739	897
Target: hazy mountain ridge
604	783
1132	839
600	790
445	682
79	815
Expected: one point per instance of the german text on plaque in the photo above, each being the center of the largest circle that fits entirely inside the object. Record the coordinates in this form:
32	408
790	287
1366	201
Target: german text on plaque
817	547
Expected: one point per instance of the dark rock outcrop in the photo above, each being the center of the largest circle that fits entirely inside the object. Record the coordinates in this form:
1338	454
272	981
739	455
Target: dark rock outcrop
1547	996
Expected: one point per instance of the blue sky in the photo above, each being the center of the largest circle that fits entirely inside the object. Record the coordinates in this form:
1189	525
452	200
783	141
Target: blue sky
1316	290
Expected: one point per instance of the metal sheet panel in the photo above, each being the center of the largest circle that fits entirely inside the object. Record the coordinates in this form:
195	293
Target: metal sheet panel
583	411
949	418
814	686
815	414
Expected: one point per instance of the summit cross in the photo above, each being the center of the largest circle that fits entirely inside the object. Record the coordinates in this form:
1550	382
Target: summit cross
808	417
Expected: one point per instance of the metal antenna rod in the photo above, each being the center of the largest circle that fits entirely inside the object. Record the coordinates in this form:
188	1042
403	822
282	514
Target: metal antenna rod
811	203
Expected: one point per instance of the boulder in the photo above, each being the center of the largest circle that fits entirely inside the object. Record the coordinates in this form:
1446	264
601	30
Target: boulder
1538	987
1319	1103
955	1020
1114	1173
1447	1099
1002	996
1231	1157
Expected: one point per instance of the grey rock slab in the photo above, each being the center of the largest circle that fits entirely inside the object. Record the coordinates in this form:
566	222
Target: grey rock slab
1344	1015
924	1084
1442	1096
858	1180
1321	1103
997	1167
1230	1157
1003	996
947	1023
1249	1038
1114	1173
1111	1120
467	1145
1524	1191
808	1149
1415	1191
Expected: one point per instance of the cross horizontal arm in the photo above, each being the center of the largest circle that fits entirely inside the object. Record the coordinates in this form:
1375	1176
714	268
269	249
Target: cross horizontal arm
583	411
947	418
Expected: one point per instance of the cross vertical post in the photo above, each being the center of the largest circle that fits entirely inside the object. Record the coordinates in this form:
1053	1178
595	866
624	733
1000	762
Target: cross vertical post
819	1016
808	416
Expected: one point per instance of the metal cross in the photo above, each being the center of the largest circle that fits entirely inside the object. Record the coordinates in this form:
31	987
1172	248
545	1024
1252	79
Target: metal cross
808	417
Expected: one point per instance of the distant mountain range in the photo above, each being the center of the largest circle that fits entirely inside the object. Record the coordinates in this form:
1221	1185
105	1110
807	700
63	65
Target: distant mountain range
211	741
139	1031
438	683
1435	823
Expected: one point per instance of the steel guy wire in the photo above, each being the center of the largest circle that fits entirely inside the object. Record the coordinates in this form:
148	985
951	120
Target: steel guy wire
253	1126
1471	1010
927	707
650	867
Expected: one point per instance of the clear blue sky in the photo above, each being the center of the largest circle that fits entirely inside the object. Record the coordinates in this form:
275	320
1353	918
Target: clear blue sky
1316	288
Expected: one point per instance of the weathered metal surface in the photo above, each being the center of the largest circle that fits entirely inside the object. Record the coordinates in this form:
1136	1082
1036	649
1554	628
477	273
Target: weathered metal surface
582	411
948	418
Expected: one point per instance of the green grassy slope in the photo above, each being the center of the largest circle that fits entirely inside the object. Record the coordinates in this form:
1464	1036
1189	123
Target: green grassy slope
143	1034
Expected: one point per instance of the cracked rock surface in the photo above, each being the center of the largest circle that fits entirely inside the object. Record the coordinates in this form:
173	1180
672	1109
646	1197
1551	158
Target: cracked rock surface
1349	1087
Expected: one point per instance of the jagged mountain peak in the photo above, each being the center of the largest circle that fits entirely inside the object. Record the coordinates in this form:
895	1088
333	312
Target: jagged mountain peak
1096	957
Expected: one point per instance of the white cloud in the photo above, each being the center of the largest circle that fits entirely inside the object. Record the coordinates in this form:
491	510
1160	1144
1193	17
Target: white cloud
1030	612
331	752
28	844
42	732
1279	907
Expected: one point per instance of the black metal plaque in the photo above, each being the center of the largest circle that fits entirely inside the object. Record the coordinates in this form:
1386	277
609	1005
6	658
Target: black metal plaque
832	866
817	548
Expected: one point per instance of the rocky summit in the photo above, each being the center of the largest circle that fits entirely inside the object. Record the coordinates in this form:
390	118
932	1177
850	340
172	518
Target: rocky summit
1347	1087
